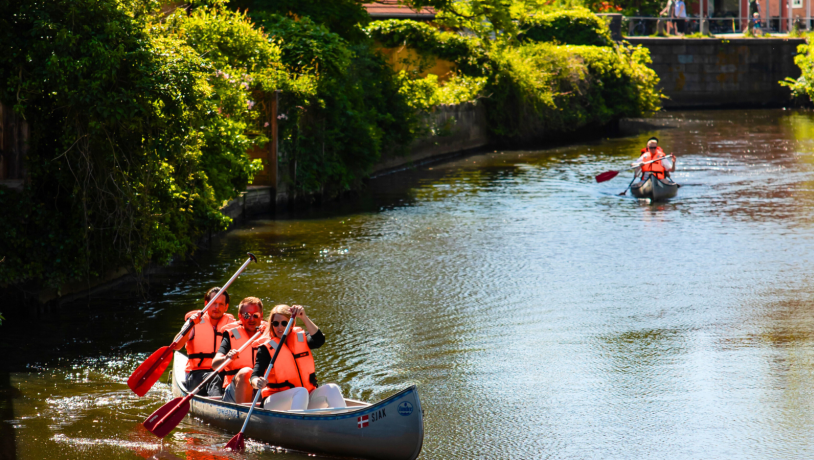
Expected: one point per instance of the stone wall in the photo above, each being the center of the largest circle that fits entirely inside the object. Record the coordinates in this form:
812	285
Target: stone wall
714	72
257	199
452	129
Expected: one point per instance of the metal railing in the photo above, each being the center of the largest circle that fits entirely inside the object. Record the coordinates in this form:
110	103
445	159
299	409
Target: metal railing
640	26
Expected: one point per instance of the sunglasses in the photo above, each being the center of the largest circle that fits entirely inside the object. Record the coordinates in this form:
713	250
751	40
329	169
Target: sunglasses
277	323
652	148
250	315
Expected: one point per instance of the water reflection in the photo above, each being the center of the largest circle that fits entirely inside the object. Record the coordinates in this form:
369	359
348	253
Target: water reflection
541	315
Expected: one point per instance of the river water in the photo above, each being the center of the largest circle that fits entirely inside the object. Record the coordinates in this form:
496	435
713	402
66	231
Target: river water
540	315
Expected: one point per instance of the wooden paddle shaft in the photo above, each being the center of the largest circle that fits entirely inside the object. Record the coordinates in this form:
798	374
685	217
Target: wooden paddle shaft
653	161
208	379
223	365
188	324
268	370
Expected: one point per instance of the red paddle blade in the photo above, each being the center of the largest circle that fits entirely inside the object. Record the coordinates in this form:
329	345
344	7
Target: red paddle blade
607	175
149	371
167	417
236	444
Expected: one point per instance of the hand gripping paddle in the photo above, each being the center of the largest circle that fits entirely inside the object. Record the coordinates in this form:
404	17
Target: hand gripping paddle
143	378
236	443
168	416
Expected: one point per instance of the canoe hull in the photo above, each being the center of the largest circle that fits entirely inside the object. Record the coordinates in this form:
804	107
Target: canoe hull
655	189
390	429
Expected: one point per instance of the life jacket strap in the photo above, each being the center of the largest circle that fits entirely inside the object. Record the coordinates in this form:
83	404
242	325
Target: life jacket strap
301	355
277	386
201	356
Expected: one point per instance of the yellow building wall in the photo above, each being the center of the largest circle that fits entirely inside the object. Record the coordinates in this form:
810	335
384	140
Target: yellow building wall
405	58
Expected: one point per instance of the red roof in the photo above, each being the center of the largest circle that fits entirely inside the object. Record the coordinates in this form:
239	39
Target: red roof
391	9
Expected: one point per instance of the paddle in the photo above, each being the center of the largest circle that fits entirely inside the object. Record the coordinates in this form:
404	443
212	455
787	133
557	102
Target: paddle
236	443
608	175
148	372
170	415
629	185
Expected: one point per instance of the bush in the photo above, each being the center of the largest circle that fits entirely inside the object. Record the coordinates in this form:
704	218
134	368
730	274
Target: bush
343	17
803	86
430	42
330	143
577	26
138	132
425	93
542	89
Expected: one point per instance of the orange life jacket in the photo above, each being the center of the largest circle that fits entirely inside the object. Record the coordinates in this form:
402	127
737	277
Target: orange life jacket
294	366
201	348
656	168
237	338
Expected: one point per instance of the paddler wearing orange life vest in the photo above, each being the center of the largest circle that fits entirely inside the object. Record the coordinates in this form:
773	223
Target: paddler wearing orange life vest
236	386
292	382
203	339
660	169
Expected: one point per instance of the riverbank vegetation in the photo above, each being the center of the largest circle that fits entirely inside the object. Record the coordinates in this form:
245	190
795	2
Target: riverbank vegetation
803	86
140	118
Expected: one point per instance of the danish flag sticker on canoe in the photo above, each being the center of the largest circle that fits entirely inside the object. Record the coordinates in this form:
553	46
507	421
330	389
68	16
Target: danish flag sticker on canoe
362	421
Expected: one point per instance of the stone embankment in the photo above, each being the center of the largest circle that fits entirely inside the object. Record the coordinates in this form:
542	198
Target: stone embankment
451	130
720	73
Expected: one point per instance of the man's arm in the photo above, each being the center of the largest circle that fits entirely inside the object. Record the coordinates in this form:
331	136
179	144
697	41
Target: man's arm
195	318
190	334
224	352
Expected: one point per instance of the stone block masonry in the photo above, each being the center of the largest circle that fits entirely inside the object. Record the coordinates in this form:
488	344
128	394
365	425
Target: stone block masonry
717	73
451	130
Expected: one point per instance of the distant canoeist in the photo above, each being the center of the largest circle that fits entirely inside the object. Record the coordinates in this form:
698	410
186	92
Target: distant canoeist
237	388
660	169
292	382
203	339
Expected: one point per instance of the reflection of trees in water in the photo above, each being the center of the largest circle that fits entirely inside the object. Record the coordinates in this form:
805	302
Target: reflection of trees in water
8	393
641	353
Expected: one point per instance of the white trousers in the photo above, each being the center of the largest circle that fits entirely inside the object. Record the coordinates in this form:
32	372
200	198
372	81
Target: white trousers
328	395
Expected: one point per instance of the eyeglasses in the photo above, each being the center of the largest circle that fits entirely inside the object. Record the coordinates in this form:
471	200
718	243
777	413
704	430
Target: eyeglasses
277	323
652	148
250	315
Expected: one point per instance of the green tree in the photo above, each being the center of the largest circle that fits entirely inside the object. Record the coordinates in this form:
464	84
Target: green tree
137	137
343	17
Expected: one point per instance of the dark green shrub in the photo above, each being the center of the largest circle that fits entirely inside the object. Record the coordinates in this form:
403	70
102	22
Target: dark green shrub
345	18
577	26
330	142
541	90
137	139
466	52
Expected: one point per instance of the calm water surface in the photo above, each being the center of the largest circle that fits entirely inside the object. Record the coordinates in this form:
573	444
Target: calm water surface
540	315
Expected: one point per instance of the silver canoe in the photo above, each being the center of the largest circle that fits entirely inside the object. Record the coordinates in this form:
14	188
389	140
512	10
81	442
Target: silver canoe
390	429
655	189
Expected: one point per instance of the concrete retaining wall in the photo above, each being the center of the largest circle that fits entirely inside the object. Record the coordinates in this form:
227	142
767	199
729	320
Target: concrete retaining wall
452	129
255	200
714	72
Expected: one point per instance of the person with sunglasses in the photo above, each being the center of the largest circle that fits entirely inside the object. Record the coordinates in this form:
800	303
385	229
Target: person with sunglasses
660	169
292	382
233	384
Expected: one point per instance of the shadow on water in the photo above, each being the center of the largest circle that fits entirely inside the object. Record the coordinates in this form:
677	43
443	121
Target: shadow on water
8	448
